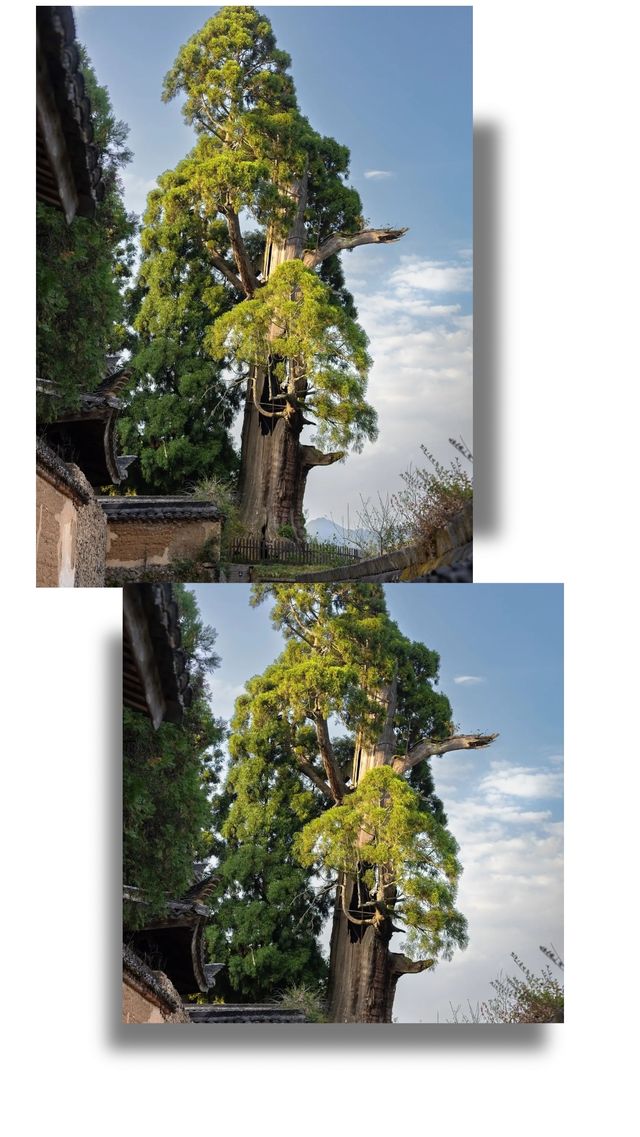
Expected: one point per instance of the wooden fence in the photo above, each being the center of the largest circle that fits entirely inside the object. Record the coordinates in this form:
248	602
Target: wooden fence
249	550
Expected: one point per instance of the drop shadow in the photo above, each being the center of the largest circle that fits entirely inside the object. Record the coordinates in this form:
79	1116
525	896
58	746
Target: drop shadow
112	860
488	415
334	1037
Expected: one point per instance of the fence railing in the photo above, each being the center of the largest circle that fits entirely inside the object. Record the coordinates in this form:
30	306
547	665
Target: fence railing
249	550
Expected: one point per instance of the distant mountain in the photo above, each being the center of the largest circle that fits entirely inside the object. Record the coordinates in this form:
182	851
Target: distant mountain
325	530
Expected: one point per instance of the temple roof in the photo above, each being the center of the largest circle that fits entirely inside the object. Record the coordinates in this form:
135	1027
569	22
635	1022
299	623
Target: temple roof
175	938
173	508
86	434
244	1013
68	174
68	478
155	675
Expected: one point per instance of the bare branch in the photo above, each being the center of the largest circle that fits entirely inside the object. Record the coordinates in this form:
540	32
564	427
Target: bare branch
350	918
311	456
226	270
338	241
311	773
428	748
402	965
331	767
297	630
240	255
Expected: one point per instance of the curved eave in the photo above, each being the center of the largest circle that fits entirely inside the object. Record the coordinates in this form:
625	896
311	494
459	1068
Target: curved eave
68	174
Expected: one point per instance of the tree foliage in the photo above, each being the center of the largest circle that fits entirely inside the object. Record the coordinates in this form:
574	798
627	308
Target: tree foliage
416	853
179	410
253	142
266	914
253	146
168	777
294	329
82	268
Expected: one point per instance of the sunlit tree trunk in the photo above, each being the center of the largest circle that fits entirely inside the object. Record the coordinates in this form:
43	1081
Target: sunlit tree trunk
362	978
274	463
363	972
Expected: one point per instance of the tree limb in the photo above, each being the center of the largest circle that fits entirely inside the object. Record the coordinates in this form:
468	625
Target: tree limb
352	919
219	262
402	965
311	456
428	747
240	255
331	767
337	242
319	782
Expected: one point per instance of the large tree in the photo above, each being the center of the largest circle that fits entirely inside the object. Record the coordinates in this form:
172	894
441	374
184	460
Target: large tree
300	355
380	841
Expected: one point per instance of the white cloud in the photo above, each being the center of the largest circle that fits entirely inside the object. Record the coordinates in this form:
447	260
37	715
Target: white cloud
511	890
512	895
136	189
420	384
468	680
378	174
223	696
522	781
432	276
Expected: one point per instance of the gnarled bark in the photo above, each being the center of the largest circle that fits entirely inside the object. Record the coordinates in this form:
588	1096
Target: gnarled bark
361	977
274	471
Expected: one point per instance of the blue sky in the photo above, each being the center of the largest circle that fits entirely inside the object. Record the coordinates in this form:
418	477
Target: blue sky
394	85
501	664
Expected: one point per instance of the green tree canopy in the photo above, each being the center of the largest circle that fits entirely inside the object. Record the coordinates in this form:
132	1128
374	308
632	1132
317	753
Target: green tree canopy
179	410
267	916
295	326
81	270
169	775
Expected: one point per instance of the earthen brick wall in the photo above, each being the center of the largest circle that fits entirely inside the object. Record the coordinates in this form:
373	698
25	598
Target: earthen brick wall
139	543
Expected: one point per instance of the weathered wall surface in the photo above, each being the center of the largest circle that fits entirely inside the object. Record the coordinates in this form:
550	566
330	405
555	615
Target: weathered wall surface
71	529
91	546
56	535
203	572
143	1006
148	996
138	1008
138	544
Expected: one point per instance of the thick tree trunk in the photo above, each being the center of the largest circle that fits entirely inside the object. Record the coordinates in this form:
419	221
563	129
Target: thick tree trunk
274	464
274	471
362	975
